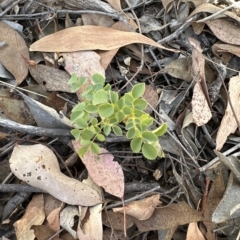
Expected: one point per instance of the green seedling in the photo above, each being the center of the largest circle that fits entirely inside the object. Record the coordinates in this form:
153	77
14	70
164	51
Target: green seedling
102	111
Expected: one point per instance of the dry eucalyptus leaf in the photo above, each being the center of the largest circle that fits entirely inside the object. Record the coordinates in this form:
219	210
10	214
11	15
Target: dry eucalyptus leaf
97	20
14	51
193	232
38	166
116	220
53	219
169	217
214	197
84	64
90	38
200	108
43	232
228	124
223	55
149	24
103	170
180	68
151	96
91	228
210	8
107	56
224	30
34	215
228	48
46	116
228	207
90	4
200	99
52	79
116	4
141	209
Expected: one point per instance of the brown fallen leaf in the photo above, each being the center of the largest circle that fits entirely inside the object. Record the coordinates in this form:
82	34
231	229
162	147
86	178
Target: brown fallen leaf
141	209
193	232
180	68
200	108
38	166
14	109
225	31
104	171
228	124
34	215
54	219
116	4
107	56
83	64
14	54
90	38
225	56
210	8
91	227
169	217
116	220
43	232
200	99
51	78
214	197
90	4
97	20
228	48
151	96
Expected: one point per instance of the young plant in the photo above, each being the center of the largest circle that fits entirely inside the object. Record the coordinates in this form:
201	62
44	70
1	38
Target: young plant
103	111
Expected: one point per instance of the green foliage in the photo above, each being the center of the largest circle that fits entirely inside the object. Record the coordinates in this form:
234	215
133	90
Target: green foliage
103	111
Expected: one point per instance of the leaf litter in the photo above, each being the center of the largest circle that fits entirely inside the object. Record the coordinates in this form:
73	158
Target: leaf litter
189	63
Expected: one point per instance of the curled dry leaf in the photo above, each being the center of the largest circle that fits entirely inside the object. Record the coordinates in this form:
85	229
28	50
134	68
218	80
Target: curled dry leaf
38	166
142	209
34	215
14	51
194	233
229	124
90	38
103	170
67	221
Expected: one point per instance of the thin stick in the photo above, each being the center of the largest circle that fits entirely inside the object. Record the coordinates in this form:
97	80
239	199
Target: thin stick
236	4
